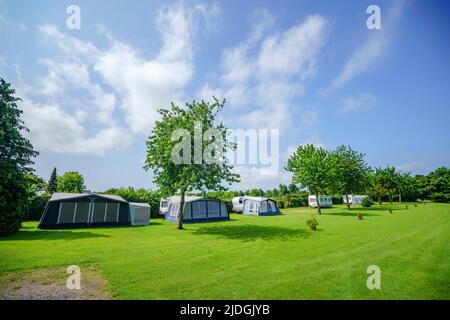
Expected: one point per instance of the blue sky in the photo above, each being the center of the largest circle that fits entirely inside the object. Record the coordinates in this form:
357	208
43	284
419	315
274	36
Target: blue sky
311	69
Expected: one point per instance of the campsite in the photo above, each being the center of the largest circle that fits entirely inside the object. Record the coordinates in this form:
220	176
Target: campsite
250	257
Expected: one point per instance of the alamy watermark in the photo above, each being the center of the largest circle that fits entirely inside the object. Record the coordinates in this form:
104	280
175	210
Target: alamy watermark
74	280
74	19
258	147
374	280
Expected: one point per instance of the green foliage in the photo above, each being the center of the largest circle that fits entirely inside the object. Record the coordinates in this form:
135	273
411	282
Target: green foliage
337	199
16	153
310	166
72	182
387	179
360	216
349	170
36	207
280	204
312	223
52	185
185	177
438	185
140	195
366	202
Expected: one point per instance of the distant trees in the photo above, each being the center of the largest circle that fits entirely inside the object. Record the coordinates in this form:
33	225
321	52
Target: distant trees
16	154
310	168
170	149
72	182
52	185
350	173
437	185
386	179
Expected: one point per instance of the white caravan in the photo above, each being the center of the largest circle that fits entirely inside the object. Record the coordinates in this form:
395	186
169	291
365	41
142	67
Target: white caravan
325	201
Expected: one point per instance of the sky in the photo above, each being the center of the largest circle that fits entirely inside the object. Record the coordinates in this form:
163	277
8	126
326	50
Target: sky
312	70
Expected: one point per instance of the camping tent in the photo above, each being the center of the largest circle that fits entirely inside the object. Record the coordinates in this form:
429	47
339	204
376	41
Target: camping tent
325	201
139	214
78	210
355	199
260	206
197	209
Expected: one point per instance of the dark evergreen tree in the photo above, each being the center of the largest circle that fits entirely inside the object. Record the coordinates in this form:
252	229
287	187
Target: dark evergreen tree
16	153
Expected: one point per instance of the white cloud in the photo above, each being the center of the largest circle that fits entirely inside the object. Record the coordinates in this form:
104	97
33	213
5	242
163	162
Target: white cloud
365	57
121	87
254	177
267	70
360	103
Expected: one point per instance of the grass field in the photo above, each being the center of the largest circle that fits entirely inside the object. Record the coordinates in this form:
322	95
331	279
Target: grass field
256	257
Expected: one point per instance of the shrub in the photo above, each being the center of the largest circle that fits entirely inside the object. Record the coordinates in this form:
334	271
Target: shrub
366	202
415	205
390	211
337	200
312	223
36	208
406	207
280	204
360	216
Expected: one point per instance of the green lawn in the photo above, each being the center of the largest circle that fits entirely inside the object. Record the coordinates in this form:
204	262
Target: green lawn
256	257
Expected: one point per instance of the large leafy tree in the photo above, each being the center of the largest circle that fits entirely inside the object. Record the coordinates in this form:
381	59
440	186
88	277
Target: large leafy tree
179	127
52	185
386	179
350	172
310	166
438	184
16	154
71	181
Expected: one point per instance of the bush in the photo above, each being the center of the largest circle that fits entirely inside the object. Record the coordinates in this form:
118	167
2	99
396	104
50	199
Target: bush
366	202
312	223
36	208
280	204
360	216
337	200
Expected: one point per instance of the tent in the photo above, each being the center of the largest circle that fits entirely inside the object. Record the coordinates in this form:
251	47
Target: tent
139	214
325	201
197	209
260	206
355	199
79	210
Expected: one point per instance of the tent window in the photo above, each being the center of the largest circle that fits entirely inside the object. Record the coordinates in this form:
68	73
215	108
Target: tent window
174	210
141	214
67	212
250	207
199	209
213	209
98	214
263	207
240	200
82	212
270	205
111	212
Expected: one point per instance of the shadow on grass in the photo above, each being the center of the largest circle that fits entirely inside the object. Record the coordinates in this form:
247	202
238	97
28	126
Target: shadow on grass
248	232
52	235
352	213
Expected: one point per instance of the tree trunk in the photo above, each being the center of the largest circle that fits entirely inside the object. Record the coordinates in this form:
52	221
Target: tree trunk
390	198
348	203
180	211
399	198
318	204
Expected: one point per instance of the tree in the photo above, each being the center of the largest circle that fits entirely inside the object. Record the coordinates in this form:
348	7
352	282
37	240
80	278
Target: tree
438	185
283	189
310	168
170	149
35	184
52	185
386	179
350	172
292	188
71	181
16	153
405	185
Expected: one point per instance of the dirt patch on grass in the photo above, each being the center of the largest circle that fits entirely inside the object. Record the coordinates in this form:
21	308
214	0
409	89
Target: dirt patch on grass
50	284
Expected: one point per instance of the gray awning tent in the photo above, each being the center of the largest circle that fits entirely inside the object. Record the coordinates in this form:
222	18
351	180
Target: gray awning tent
79	210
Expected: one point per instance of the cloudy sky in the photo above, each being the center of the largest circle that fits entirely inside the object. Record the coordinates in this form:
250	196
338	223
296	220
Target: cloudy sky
311	69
